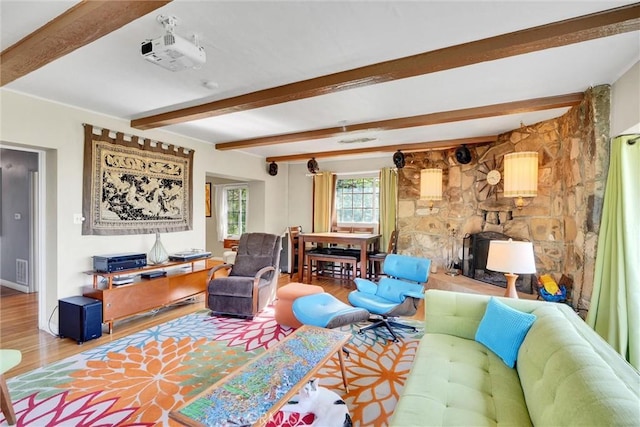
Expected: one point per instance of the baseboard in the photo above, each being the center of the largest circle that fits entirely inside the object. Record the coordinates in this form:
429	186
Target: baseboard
16	286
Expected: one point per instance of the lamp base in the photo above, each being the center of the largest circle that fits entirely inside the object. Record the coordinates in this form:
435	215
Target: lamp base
511	285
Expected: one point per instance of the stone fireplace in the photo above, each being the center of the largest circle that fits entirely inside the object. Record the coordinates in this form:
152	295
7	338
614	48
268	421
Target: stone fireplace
474	261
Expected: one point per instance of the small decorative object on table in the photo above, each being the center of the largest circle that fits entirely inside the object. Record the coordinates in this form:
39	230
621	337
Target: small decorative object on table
158	254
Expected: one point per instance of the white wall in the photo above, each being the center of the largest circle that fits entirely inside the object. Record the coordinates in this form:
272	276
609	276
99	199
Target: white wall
625	103
57	130
301	186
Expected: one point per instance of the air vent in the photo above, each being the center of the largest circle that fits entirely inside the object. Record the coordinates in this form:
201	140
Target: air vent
356	140
22	268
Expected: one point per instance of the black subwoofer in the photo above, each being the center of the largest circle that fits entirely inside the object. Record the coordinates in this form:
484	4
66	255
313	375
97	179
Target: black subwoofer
80	318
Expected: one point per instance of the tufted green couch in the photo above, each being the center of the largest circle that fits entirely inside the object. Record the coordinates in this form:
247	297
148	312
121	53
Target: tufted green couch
565	373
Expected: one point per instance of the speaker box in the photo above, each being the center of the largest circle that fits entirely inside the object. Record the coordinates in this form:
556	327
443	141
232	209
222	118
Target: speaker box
80	318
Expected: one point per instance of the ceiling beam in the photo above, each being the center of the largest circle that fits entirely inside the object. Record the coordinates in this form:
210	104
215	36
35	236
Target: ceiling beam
588	27
82	24
407	148
495	110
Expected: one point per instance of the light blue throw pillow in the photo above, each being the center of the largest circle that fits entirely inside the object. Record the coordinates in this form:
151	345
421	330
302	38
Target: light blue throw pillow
502	330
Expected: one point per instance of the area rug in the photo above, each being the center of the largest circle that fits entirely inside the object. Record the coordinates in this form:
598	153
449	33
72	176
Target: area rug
139	379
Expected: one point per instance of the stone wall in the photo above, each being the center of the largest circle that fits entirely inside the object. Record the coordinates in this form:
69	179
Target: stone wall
562	221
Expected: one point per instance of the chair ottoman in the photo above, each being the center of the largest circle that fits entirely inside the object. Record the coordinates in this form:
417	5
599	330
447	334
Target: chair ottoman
285	296
326	311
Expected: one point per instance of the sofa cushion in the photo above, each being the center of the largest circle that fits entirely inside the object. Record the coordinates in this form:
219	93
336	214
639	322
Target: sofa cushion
459	382
502	329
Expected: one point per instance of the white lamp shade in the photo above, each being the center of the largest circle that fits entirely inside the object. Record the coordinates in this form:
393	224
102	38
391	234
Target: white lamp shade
508	256
521	174
431	184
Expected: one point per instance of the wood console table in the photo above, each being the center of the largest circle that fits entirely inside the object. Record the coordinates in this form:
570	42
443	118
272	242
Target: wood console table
184	279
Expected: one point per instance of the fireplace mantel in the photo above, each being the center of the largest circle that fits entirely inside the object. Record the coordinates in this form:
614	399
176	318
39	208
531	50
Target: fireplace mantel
460	283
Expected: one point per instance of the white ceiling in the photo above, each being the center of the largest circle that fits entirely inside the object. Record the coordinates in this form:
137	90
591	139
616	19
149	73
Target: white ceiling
257	45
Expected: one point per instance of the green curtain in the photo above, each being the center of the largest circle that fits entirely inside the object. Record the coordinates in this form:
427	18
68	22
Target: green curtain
615	302
323	191
388	204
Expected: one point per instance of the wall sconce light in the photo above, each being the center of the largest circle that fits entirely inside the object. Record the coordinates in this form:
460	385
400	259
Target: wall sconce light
511	258
521	175
431	185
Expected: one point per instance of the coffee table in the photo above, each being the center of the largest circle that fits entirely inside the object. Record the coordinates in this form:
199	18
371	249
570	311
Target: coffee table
256	390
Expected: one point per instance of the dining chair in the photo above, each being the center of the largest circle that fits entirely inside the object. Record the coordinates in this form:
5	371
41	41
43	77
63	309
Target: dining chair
294	239
376	259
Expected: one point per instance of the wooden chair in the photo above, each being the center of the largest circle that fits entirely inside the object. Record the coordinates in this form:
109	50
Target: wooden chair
377	258
294	233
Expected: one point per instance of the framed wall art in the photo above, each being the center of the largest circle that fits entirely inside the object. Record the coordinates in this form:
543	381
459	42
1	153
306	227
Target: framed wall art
207	199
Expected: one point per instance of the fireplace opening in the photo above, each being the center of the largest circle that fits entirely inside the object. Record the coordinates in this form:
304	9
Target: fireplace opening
474	261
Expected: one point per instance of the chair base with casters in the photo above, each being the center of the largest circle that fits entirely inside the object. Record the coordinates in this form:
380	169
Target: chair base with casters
8	360
389	324
397	294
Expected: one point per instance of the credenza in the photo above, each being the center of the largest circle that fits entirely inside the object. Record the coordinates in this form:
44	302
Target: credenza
183	279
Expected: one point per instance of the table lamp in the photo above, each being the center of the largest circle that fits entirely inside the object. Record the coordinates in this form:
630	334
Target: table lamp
511	258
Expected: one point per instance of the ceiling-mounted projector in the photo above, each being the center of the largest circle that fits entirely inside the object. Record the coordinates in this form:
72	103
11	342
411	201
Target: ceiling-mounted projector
172	51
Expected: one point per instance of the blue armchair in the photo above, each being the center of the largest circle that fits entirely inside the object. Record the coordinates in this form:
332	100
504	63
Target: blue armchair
397	294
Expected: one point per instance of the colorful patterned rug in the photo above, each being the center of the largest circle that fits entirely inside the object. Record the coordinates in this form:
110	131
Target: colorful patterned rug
139	379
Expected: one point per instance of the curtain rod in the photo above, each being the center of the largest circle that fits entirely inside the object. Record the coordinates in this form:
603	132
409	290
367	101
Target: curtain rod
352	173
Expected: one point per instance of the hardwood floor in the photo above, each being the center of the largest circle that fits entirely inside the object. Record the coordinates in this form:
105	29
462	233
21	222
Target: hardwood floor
19	326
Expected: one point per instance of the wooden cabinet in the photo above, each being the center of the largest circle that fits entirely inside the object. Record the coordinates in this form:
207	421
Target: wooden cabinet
183	280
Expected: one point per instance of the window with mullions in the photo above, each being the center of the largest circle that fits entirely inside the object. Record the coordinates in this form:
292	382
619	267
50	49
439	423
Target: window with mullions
236	201
357	200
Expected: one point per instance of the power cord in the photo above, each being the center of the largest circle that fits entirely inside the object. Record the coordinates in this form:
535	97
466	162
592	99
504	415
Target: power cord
49	323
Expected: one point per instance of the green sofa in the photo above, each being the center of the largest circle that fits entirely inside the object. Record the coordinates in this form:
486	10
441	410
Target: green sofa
565	373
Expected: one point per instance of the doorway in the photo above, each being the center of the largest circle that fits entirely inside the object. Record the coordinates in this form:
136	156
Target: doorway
21	213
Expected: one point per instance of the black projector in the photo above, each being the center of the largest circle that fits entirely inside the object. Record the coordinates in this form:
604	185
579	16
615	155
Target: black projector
118	262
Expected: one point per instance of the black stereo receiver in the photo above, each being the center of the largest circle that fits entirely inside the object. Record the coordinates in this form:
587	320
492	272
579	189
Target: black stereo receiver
118	262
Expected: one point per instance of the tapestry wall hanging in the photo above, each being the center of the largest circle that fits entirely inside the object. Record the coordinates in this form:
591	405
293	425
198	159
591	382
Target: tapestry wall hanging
134	186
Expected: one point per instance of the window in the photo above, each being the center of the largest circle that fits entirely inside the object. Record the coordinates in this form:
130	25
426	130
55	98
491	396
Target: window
357	200
234	213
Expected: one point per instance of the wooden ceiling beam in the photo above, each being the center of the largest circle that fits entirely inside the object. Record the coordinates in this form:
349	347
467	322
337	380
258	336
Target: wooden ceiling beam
406	148
495	110
82	24
580	29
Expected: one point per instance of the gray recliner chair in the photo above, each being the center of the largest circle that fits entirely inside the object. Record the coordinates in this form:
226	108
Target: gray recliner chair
252	281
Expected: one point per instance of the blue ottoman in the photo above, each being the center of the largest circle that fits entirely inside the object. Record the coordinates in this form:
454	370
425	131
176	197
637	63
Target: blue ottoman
326	311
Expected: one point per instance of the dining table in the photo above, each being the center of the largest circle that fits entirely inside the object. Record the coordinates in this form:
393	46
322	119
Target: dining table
364	241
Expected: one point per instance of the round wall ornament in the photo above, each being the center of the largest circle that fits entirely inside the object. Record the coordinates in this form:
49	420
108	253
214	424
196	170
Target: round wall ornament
493	177
489	178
